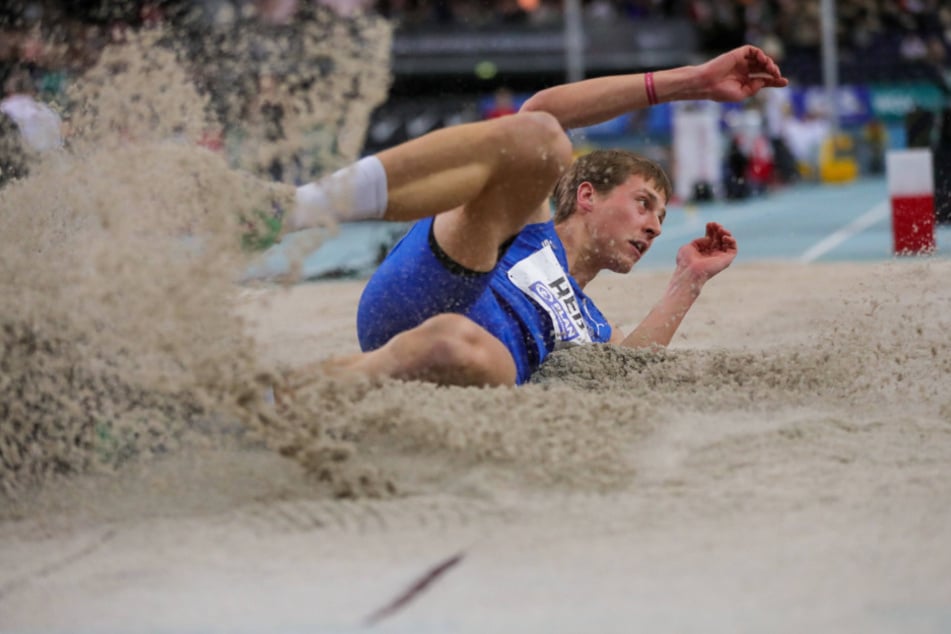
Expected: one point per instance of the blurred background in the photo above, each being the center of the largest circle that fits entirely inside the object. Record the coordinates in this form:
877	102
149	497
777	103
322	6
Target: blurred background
867	76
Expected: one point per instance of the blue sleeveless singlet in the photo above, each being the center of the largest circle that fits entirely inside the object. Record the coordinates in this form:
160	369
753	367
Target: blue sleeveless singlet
529	301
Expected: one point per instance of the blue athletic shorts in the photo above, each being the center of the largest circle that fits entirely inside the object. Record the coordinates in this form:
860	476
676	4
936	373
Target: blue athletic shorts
418	280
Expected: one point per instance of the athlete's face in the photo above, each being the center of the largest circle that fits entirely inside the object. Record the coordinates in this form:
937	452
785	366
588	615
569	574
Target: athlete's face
625	221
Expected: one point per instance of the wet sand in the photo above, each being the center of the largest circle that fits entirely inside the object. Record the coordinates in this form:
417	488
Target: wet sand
783	467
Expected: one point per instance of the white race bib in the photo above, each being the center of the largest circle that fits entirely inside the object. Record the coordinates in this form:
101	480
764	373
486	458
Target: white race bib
541	277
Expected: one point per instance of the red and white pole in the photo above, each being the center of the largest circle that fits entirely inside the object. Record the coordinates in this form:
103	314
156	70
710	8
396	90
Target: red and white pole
911	189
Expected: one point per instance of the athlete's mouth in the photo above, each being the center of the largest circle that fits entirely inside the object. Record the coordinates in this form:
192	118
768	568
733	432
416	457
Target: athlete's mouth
640	245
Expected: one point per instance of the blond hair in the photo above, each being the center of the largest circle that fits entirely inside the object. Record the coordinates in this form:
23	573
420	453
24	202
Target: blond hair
605	170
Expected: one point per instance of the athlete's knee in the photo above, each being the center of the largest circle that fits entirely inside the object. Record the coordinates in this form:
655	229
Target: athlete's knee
537	141
550	136
453	340
547	138
460	350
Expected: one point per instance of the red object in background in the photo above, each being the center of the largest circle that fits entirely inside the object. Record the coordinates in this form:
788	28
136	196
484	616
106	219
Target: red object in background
500	111
913	224
503	105
760	169
910	175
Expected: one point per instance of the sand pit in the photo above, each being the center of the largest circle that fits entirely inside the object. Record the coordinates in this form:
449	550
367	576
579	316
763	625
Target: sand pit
783	467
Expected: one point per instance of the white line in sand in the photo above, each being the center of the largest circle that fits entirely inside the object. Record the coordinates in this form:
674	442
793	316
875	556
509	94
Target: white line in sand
874	215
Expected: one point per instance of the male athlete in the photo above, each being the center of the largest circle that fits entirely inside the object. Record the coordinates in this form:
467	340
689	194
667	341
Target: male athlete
486	284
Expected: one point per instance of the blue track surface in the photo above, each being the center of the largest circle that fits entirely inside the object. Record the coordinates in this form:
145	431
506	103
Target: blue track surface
806	223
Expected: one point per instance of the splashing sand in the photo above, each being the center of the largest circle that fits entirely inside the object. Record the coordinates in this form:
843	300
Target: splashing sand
120	255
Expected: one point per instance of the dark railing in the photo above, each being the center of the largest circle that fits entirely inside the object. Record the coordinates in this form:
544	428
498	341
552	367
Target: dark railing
609	46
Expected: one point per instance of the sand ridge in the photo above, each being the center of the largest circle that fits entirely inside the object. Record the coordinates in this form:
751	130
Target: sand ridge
745	470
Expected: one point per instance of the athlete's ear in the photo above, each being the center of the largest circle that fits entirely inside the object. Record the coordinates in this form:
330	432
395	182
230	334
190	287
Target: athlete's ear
584	197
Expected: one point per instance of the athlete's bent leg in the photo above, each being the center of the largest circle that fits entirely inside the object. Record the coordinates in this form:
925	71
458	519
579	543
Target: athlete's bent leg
503	169
447	349
528	152
452	166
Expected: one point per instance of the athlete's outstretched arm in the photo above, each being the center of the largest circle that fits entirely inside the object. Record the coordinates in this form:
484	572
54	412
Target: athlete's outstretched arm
697	262
732	76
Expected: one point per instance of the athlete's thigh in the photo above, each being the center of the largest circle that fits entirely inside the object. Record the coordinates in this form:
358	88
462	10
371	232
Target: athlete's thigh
448	168
534	151
412	285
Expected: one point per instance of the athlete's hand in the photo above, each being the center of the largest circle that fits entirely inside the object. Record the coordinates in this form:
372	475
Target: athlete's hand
740	74
705	257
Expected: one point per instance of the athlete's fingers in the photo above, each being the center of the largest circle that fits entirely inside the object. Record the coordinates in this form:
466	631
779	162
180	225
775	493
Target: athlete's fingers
769	80
774	74
701	245
725	233
768	63
756	61
705	243
762	66
714	228
711	237
720	244
720	237
758	58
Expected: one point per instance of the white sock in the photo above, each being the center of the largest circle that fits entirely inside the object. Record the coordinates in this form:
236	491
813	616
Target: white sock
355	192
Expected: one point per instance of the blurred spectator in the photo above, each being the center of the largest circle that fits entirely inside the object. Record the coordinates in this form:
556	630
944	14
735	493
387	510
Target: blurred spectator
876	136
737	164
510	12
504	104
804	136
720	23
919	126
777	110
547	14
600	10
762	167
748	130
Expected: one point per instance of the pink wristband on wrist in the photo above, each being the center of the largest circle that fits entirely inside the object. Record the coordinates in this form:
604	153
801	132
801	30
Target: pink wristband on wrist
651	91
